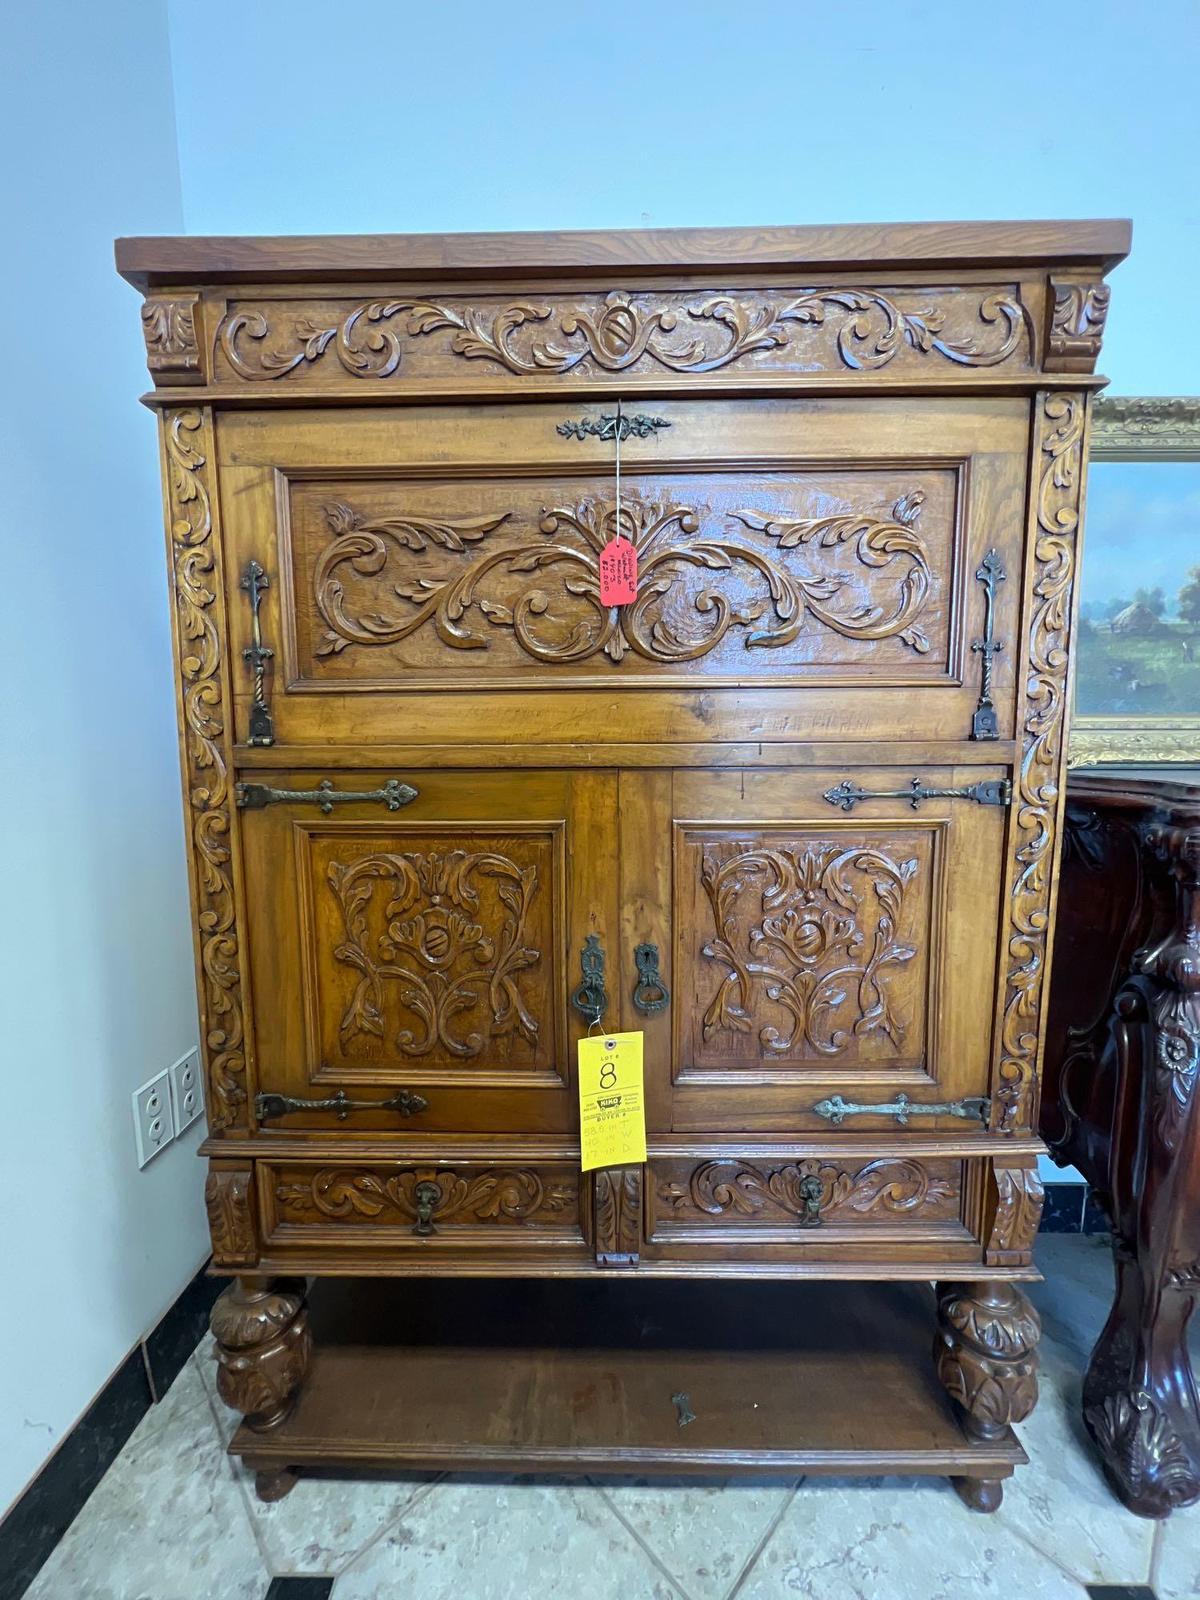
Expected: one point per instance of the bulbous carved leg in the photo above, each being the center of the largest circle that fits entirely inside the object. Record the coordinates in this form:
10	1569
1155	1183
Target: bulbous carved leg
263	1347
985	1353
1139	1395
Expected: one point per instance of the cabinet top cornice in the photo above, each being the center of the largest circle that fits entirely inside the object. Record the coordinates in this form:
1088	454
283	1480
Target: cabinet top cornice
158	262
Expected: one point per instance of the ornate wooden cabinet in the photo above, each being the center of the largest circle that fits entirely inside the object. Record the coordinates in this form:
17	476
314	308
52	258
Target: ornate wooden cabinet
793	810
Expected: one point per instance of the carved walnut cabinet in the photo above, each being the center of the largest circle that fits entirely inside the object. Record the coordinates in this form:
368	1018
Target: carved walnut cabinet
792	810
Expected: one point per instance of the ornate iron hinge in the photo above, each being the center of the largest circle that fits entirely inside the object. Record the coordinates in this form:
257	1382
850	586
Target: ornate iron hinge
590	999
990	573
613	426
836	1110
988	792
393	795
269	1106
254	581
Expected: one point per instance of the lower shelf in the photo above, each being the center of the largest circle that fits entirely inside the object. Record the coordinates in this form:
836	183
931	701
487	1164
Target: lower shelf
559	1376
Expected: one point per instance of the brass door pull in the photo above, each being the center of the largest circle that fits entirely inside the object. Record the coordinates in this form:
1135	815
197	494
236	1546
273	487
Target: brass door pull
650	993
811	1192
254	581
427	1195
269	1106
393	795
990	573
836	1110
988	792
590	999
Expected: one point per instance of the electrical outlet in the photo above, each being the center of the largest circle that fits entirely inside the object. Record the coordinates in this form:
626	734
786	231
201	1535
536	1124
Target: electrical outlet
187	1101
153	1122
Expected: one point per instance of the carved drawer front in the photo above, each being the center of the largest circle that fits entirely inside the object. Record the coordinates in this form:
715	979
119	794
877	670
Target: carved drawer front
414	938
832	950
422	1204
780	1205
413	575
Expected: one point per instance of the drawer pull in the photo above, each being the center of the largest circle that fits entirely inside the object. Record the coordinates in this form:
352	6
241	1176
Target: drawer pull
254	581
269	1106
427	1196
990	573
988	792
836	1110
683	1409
650	993
811	1192
590	999
393	795
610	426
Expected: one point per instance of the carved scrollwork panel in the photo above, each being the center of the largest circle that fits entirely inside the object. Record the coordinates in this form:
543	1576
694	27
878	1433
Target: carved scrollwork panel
442	952
1049	580
810	949
195	559
499	1195
747	1192
820	329
523	583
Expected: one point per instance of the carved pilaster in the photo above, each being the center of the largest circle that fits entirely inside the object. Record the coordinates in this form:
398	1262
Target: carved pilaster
1037	791
617	1216
263	1347
205	709
171	328
228	1197
1078	312
1014	1208
985	1353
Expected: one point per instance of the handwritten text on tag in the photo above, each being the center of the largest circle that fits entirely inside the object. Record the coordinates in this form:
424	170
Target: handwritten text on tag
618	573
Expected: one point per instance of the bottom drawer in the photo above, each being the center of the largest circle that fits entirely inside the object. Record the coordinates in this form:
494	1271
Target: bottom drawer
403	1206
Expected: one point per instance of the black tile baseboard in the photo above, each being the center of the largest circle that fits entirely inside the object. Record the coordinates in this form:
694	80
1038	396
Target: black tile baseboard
300	1589
1062	1211
56	1496
1119	1591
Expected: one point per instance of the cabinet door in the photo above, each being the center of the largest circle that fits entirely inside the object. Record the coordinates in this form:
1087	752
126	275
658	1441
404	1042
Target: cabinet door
429	949
814	952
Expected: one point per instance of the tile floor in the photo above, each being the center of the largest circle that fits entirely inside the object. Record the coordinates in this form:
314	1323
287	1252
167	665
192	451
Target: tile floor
175	1519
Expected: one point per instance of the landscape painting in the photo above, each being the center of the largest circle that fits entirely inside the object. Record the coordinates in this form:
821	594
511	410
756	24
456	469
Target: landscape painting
1139	633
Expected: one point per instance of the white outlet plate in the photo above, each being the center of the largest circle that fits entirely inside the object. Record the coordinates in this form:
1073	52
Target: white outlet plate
187	1097
153	1119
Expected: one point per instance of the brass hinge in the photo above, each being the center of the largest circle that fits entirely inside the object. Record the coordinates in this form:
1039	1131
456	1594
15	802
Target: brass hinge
988	792
269	1106
393	795
836	1110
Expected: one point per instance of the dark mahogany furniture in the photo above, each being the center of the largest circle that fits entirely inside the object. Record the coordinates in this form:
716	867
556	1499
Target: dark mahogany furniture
1120	1102
793	811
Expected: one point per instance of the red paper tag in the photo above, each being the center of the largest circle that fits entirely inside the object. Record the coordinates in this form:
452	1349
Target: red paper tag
618	573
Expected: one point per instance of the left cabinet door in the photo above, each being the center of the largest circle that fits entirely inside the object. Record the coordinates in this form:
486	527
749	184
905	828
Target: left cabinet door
413	955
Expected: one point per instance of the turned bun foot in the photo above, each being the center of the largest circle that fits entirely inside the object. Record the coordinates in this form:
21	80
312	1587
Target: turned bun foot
273	1483
981	1494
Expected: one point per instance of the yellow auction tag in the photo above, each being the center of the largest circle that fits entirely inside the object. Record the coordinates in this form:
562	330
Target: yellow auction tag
612	1112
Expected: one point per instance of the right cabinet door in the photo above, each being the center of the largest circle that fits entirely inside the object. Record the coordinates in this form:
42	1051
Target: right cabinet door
816	953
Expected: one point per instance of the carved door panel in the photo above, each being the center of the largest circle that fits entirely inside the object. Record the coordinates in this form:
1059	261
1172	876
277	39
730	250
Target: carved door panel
429	571
817	954
413	949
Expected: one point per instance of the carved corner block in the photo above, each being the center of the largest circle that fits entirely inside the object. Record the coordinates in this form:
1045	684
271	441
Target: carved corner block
617	1199
1078	312
263	1348
1012	1211
171	327
985	1353
229	1200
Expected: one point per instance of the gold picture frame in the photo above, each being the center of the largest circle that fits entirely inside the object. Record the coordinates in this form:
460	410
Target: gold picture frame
1140	428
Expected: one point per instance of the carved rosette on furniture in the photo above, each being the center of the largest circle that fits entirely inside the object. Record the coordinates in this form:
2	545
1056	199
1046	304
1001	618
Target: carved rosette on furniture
617	1216
1078	313
1140	1402
1037	796
200	632
170	328
263	1347
985	1354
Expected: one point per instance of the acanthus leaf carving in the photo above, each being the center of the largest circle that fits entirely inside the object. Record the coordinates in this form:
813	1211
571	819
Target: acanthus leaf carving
1078	313
617	1216
1050	577
827	932
228	1199
667	544
169	327
434	955
1141	1448
1019	1197
516	1193
198	587
613	334
743	1189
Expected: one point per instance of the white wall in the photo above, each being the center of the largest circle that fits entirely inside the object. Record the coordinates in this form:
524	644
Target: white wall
96	987
391	116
